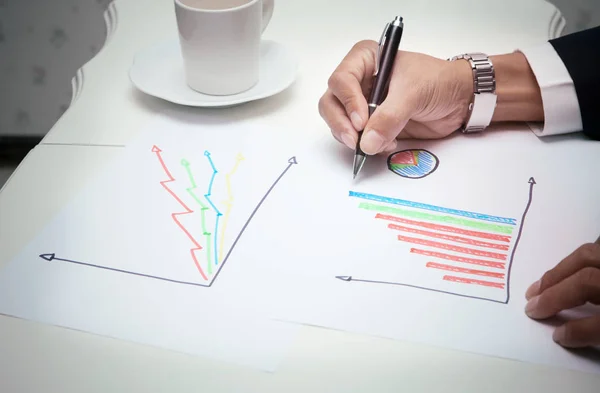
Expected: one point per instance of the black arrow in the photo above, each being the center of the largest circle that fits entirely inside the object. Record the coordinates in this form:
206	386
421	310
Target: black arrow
531	182
352	279
291	161
52	256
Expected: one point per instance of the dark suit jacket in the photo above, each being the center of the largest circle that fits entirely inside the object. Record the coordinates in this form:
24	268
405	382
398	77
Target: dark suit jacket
580	52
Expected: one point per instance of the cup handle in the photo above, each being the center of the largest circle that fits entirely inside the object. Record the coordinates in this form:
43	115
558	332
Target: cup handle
267	12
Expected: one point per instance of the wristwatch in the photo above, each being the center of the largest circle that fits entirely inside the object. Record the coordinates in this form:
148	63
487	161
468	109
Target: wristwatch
483	103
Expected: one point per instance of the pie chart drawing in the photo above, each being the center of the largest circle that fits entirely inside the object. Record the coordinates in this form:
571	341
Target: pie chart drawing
413	163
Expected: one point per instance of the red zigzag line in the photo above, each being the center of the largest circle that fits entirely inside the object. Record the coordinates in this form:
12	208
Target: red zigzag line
157	150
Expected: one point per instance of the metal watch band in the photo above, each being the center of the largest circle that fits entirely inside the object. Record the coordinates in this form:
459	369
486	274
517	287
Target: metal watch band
481	107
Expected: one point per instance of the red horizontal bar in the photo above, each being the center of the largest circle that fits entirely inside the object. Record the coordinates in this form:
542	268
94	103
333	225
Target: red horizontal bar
476	282
455	258
445	228
450	247
458	239
457	269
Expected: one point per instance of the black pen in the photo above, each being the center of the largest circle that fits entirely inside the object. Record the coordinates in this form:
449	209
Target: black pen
386	55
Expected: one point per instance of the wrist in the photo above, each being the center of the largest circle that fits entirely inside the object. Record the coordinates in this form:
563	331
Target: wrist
462	76
477	81
519	96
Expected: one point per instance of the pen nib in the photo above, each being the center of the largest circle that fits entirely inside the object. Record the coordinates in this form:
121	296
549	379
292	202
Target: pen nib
359	161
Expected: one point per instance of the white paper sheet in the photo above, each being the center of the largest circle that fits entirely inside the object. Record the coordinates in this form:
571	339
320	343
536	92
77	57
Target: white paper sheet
152	250
433	267
440	268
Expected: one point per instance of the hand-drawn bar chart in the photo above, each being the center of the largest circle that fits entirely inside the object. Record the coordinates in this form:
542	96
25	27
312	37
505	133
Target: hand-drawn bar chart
462	248
206	252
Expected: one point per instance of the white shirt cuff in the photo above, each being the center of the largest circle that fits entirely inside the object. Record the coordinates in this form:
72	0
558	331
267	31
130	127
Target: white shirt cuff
559	98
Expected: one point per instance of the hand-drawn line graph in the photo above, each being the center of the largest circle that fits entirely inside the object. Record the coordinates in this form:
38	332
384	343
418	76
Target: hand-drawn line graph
467	248
212	256
157	151
229	202
413	163
207	196
203	210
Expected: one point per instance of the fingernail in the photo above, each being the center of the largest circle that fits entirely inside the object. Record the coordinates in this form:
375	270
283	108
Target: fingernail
356	121
533	290
559	334
372	142
348	141
531	307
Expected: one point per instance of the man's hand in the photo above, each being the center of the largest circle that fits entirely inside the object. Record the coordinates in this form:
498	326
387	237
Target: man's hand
572	283
427	99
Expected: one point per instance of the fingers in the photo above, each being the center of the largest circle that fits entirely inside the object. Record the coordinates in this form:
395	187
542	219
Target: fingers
417	130
587	255
390	147
579	333
572	283
573	291
386	123
350	77
332	111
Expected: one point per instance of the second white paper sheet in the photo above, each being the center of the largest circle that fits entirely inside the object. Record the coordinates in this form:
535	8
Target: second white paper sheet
437	243
152	249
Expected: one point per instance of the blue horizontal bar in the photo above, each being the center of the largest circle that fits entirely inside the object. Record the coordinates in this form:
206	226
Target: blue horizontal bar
439	209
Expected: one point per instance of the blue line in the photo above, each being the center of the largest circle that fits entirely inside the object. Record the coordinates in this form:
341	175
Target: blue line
439	209
212	180
207	196
210	161
212	204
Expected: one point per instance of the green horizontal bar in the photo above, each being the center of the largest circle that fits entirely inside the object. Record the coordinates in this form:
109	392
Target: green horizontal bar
437	218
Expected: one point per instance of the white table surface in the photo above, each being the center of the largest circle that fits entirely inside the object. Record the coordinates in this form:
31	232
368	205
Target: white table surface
108	111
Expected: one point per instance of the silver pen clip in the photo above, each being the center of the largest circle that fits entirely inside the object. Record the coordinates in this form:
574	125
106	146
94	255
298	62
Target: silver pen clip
381	43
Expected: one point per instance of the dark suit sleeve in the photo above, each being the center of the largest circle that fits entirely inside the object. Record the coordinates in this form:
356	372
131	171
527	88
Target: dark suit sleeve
580	53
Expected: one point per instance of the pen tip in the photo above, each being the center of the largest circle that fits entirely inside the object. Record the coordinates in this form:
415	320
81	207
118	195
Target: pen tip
359	161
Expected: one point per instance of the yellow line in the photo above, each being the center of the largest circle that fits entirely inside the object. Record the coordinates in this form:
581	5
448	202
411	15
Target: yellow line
228	203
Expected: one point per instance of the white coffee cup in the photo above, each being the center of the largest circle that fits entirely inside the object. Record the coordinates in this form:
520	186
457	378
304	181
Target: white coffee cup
220	43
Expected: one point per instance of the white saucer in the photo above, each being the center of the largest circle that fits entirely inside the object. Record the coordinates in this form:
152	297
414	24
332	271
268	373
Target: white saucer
158	71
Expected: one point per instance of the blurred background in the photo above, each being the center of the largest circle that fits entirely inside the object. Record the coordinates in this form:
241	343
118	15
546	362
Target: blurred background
43	43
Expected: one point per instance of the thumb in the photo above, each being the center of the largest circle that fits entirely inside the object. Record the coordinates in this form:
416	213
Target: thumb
388	120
